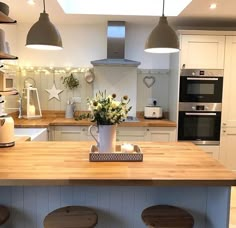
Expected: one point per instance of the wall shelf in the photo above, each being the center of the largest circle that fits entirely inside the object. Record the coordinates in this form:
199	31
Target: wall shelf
7	56
5	19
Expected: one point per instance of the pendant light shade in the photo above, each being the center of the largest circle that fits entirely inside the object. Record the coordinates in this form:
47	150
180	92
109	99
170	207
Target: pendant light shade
163	38
43	34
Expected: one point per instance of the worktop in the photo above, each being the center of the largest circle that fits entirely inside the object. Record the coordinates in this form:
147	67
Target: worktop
59	120
63	163
38	177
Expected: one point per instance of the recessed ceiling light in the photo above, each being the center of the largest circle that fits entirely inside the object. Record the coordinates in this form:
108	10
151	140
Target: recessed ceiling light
213	6
31	2
123	7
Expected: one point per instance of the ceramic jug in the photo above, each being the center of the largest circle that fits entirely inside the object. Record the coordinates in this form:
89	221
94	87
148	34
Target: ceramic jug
106	138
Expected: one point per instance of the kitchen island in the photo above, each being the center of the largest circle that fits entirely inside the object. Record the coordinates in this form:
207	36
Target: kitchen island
37	177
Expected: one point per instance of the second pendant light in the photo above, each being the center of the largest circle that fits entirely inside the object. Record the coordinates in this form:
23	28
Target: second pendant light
163	38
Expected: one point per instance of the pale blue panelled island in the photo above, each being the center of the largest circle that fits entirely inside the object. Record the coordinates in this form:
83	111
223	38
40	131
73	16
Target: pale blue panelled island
38	177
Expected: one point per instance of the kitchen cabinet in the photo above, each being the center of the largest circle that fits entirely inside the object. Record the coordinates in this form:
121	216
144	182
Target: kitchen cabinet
69	133
160	134
229	89
130	134
202	51
124	134
211	150
228	132
228	147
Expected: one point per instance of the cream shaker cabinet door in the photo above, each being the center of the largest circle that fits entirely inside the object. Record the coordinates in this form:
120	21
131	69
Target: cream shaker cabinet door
202	51
229	84
161	134
126	134
211	150
70	133
228	147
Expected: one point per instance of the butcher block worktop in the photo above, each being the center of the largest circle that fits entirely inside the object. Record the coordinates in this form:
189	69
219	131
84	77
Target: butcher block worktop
67	163
58	119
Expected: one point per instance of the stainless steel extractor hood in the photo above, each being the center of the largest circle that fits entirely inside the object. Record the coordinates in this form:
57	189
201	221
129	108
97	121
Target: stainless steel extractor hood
115	47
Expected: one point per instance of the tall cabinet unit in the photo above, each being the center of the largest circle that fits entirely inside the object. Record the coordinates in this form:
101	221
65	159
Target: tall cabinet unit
228	132
203	50
216	50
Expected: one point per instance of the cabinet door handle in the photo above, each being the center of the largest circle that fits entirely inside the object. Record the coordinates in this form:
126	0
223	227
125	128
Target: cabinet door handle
224	124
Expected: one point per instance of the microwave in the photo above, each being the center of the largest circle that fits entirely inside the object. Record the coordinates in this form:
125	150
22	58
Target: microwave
201	85
6	81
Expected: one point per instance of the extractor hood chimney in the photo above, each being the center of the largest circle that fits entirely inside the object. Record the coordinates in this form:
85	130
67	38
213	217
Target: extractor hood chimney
115	47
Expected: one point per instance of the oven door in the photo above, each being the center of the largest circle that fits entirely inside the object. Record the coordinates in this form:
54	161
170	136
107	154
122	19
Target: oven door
201	89
199	127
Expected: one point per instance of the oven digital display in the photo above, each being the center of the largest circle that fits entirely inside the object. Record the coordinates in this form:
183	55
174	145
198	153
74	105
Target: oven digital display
202	72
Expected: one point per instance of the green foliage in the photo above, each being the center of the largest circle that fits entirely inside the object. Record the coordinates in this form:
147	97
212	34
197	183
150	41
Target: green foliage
70	82
106	110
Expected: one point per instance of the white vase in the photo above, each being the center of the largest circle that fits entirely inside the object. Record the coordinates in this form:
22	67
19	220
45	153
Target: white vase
106	141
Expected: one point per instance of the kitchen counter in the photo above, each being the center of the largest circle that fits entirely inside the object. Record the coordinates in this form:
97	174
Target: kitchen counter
37	177
164	164
57	119
46	122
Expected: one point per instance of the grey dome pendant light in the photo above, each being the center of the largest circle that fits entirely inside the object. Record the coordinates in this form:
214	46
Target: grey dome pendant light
163	38
43	34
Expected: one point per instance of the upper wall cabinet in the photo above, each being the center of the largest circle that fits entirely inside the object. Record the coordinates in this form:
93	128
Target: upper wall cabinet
202	51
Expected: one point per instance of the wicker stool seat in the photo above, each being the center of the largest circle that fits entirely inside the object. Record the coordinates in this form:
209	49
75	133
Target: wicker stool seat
165	216
71	217
4	214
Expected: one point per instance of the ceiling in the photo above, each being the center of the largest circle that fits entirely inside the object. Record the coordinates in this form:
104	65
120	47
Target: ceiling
196	14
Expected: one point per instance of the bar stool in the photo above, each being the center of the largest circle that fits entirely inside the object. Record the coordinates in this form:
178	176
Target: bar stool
165	216
4	214
71	216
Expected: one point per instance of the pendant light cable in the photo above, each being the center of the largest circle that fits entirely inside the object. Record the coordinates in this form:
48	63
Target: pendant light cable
44	6
163	8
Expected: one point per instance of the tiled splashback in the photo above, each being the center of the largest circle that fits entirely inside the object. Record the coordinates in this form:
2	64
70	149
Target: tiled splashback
42	78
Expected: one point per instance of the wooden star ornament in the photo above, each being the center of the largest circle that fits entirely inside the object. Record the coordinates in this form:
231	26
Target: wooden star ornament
54	92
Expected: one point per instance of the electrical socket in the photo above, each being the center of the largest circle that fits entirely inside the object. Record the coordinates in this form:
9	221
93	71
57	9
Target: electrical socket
76	99
151	101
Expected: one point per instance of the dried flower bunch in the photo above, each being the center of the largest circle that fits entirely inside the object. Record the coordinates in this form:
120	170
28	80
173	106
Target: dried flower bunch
71	82
106	110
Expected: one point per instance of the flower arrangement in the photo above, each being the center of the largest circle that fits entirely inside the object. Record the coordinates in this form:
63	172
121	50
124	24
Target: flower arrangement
106	110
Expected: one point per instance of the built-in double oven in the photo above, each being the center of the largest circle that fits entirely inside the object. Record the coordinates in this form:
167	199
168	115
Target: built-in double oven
200	105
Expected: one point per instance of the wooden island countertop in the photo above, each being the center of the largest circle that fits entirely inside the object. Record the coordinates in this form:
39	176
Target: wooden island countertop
67	163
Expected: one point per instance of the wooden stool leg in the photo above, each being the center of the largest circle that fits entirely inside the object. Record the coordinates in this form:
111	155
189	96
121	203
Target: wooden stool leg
4	214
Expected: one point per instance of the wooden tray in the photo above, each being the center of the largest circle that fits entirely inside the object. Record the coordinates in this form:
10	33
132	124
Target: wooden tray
136	156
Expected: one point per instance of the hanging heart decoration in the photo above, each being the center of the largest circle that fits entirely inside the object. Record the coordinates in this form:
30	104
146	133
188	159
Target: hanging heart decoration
149	81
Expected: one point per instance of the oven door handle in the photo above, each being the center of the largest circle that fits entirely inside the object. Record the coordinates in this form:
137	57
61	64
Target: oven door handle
200	114
202	79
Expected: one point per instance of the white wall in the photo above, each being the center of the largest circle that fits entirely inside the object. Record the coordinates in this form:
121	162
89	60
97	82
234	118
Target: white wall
119	80
82	44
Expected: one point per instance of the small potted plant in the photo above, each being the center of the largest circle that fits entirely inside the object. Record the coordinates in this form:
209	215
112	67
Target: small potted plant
70	82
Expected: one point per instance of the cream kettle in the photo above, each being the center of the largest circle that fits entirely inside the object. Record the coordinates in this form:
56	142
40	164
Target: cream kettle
6	131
